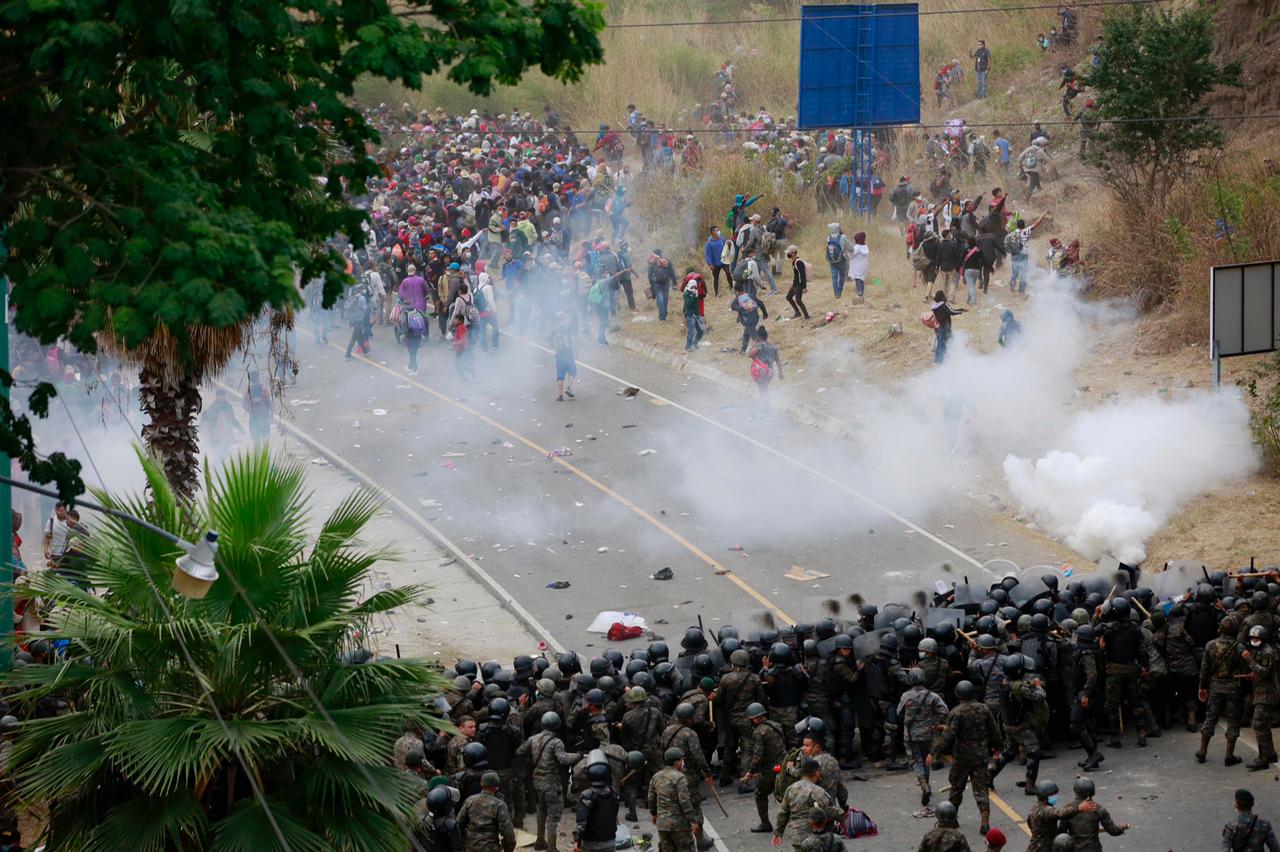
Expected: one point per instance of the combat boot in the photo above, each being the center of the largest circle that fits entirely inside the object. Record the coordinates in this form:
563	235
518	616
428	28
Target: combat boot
705	843
1230	758
925	792
1092	762
1191	722
631	815
1204	746
762	810
1142	738
541	842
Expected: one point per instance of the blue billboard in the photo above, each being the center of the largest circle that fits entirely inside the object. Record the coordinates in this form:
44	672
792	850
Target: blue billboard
859	65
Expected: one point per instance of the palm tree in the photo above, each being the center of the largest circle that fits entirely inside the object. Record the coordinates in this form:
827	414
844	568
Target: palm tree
141	761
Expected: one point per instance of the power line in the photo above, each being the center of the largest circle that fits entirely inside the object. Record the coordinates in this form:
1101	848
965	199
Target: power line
201	679
858	15
1155	119
301	680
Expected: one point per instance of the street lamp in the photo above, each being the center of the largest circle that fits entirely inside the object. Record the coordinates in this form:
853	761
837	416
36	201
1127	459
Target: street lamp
193	574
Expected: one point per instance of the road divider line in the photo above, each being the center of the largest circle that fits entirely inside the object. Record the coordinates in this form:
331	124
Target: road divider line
720	569
853	492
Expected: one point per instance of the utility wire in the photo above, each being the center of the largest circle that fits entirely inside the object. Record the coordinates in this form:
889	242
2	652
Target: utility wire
201	679
1155	119
298	676
858	15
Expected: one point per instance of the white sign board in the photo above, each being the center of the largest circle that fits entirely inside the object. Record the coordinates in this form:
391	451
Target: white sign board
1244	308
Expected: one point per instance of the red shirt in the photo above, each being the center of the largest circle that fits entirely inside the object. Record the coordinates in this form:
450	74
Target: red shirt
460	338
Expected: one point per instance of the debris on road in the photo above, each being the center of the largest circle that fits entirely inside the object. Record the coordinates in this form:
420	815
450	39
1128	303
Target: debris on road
379	412
321	462
647	452
804	575
607	618
452	455
736	548
558	584
560	453
629	392
430	504
664	573
602	550
304	401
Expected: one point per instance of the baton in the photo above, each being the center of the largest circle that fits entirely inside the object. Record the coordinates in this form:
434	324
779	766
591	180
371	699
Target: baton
712	787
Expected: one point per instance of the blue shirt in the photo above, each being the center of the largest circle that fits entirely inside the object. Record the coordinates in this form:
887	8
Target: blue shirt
713	250
1002	145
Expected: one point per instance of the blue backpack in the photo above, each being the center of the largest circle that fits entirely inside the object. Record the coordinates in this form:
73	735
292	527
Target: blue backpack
834	252
417	323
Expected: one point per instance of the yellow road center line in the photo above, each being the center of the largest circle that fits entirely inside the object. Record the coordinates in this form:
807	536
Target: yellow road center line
1008	811
853	492
720	569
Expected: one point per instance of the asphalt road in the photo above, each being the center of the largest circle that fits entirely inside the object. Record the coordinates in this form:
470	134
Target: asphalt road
472	459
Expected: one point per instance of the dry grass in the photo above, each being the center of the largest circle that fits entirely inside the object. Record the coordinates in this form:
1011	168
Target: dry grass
1160	257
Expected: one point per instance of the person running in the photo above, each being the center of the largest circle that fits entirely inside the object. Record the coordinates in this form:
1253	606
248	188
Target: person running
764	362
566	364
460	335
942	312
692	319
1002	151
748	311
1031	160
799	283
1015	246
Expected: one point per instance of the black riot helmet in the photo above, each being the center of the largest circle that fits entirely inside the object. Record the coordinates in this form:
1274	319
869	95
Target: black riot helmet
439	801
999	595
780	654
467	668
1013	666
489	669
988	607
694	640
523	665
475	756
1119	609
598	667
1205	593
641	654
596	697
825	629
843	641
728	645
911	636
726	632
664	674
1086	634
1042	606
499	710
634	667
1040	623
704	666
658	652
643	680
614	656
598	774
987	625
569	664
1083	788
964	690
810	648
684	712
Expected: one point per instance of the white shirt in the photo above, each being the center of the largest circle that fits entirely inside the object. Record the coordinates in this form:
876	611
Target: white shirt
858	262
58	539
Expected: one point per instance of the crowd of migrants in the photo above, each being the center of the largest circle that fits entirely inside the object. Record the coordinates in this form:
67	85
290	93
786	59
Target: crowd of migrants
487	221
978	676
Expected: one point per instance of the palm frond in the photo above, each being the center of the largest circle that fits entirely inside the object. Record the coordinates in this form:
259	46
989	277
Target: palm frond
153	824
248	829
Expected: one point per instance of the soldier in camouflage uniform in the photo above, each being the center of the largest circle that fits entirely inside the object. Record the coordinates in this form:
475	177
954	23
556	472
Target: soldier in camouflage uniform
817	697
484	820
545	753
501	736
922	713
784	687
935	667
1262	616
843	676
671	806
945	836
1084	687
764	751
821	838
1044	816
466	734
703	712
972	735
641	731
1183	657
1086	822
1125	658
799	800
1222	688
680	734
1023	712
738	690
410	740
1263	661
813	746
1248	832
545	703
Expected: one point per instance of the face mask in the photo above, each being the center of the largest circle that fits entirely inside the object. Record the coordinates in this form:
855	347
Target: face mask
1257	643
1053	800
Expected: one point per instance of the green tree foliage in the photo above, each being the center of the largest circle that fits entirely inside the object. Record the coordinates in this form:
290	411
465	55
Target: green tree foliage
140	761
170	166
1158	65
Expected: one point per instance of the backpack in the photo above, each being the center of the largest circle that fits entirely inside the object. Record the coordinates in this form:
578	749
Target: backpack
1013	243
596	294
417	323
930	320
834	252
481	300
760	371
740	274
919	260
1029	161
809	271
855	823
469	312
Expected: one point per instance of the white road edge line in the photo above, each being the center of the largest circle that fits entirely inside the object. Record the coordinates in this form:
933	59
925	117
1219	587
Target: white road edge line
825	477
495	588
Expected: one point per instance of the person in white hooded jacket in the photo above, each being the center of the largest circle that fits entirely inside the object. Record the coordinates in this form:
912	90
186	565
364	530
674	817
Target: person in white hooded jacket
859	258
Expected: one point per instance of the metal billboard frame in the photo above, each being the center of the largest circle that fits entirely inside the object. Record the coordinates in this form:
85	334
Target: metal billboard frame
862	41
1244	299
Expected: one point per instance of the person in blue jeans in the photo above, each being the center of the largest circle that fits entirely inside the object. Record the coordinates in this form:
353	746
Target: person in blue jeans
837	251
943	313
713	254
692	321
661	279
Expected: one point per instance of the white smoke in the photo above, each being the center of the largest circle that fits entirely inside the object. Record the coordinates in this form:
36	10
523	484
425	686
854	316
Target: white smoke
1118	473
